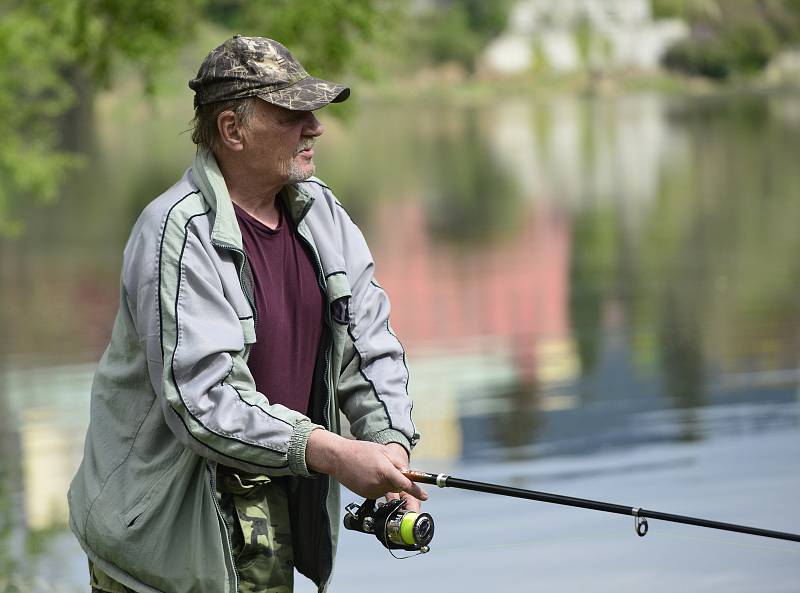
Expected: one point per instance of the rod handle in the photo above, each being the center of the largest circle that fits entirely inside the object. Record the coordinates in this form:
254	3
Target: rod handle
439	480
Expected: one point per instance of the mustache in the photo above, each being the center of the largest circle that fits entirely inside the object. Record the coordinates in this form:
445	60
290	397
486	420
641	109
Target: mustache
305	144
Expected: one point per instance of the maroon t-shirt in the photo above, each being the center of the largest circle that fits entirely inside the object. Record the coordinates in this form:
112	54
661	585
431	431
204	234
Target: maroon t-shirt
290	315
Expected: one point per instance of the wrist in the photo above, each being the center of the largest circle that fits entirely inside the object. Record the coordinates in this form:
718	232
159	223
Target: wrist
390	435
298	446
400	449
323	451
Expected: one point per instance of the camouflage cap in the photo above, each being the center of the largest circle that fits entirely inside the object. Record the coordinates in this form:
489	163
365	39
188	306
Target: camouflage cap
260	67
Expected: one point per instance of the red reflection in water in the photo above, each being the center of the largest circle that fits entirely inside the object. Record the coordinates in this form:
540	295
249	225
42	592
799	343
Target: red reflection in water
515	291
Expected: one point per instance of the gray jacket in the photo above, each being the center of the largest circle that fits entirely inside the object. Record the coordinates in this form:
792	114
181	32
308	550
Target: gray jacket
173	395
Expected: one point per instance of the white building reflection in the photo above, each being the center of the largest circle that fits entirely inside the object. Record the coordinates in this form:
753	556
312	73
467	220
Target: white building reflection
50	407
589	153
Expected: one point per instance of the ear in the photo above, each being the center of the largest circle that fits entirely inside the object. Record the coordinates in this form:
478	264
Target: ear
230	131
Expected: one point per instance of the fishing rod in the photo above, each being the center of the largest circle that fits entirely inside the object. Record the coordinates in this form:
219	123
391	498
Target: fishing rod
398	528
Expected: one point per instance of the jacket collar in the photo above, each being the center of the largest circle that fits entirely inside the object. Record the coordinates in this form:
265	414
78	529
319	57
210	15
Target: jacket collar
211	183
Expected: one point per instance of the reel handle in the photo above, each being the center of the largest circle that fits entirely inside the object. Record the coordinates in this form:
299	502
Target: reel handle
360	518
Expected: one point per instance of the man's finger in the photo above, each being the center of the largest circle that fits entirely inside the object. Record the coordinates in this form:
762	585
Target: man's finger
412	504
406	485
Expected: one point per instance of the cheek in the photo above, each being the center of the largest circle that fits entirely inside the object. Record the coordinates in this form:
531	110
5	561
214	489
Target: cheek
285	145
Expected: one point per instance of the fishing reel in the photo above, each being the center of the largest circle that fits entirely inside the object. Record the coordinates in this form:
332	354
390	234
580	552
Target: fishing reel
396	527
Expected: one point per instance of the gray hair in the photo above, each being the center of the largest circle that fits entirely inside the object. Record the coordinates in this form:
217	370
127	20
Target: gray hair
205	132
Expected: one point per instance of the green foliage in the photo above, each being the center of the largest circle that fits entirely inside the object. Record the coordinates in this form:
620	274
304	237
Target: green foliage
665	9
145	32
730	36
584	36
745	49
323	34
53	53
700	58
751	46
476	201
592	255
447	37
684	9
486	19
458	30
32	92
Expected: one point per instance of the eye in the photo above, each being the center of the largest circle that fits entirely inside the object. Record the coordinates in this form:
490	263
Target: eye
295	117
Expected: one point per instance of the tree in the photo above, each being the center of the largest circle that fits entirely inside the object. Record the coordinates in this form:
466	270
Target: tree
324	35
730	36
457	30
54	54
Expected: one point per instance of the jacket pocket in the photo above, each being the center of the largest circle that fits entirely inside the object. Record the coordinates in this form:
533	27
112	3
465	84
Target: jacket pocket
141	508
138	510
170	539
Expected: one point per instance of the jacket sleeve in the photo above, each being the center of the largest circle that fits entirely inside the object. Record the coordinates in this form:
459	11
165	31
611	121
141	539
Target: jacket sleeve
373	385
195	344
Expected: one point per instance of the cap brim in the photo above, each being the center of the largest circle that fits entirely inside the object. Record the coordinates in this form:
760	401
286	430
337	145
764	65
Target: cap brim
307	94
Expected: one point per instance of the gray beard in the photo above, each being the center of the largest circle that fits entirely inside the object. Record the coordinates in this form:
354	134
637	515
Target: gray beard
297	174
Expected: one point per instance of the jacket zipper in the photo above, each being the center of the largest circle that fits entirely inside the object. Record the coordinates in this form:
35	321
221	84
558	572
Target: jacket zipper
248	294
326	373
326	378
227	539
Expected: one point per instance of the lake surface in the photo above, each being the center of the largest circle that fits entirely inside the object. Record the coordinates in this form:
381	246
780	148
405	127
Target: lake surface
598	297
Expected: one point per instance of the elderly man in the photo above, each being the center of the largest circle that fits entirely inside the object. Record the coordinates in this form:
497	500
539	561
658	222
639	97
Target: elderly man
249	318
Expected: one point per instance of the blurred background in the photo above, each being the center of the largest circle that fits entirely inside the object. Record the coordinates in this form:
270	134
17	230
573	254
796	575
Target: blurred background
585	213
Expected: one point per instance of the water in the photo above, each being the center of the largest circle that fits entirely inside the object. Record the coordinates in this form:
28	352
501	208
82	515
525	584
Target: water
597	297
484	542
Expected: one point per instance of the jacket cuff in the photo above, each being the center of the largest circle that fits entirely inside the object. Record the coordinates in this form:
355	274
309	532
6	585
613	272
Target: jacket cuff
390	435
297	447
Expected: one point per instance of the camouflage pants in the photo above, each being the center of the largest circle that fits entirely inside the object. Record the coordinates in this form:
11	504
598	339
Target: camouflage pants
256	511
102	583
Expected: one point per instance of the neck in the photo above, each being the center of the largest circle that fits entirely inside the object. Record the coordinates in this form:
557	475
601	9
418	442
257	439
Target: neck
251	191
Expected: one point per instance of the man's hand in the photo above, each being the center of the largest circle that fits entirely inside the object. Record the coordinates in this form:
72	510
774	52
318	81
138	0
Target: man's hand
368	469
399	457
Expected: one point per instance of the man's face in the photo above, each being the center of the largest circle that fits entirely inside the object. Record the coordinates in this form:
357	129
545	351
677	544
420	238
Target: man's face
279	143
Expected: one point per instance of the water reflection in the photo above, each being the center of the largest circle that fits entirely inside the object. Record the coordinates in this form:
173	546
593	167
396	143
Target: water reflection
471	201
566	276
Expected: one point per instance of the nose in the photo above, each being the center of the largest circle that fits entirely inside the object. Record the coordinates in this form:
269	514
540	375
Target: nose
312	127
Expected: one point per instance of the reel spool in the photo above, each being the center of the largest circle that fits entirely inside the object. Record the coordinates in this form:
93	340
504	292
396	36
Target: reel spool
394	526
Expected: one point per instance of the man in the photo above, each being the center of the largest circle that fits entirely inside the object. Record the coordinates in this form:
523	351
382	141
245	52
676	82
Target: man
249	317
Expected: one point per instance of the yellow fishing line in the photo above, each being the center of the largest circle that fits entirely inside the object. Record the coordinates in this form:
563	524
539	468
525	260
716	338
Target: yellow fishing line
407	528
